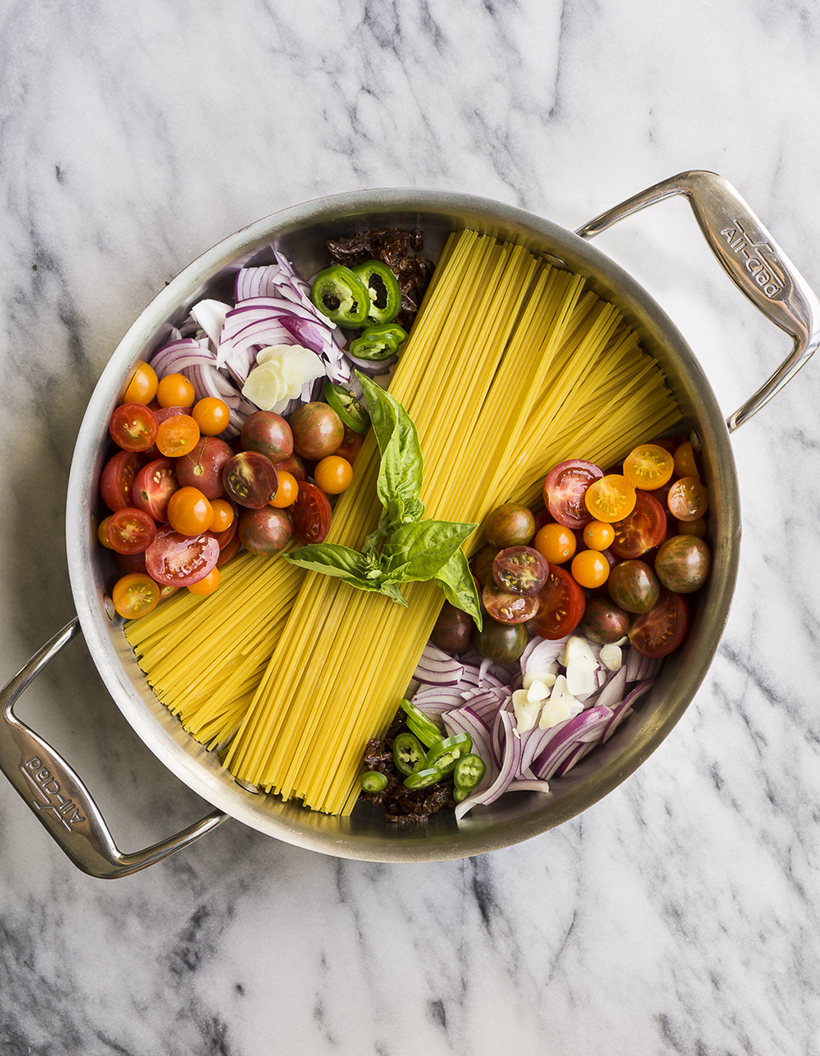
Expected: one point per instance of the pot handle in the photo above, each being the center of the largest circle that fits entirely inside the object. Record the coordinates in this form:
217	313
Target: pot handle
57	795
753	259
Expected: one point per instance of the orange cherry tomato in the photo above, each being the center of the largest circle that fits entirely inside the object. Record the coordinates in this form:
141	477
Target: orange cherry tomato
223	515
174	390
590	569
189	512
648	466
142	387
685	464
333	475
688	499
611	498
135	595
286	491
211	414
555	542
598	535
177	436
207	585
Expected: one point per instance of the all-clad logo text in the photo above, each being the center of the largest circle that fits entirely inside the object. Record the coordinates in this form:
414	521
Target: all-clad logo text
759	258
48	796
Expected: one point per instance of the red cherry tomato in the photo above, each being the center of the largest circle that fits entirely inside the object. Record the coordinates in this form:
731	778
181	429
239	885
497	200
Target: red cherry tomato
153	487
643	529
133	427
565	488
505	607
311	514
202	467
562	605
176	560
350	445
117	479
251	479
130	531
660	631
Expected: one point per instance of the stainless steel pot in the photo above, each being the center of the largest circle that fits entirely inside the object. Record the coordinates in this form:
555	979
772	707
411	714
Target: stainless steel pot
54	791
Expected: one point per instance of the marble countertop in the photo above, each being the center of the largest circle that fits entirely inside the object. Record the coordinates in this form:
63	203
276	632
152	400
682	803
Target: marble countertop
677	916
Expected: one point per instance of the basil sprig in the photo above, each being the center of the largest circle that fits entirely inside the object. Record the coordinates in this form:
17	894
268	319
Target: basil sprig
405	548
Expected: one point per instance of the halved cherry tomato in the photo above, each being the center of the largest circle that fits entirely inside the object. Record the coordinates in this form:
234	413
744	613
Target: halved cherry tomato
212	415
130	531
177	560
135	595
555	542
506	607
565	488
598	535
102	528
660	631
688	499
351	445
333	475
174	390
648	466
251	479
189	512
117	479
643	529
206	585
177	435
153	487
142	387
287	490
311	514
610	499
224	516
685	464
590	569
133	427
562	605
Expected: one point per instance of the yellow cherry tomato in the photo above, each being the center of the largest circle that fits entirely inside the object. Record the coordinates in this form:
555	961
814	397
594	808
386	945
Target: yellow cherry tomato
174	390
207	585
286	492
555	542
648	466
333	475
190	512
142	387
611	498
177	436
135	595
598	535
101	532
697	528
223	515
590	569
685	464
211	414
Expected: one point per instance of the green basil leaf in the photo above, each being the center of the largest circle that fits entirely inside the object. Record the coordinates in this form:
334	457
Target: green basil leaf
456	580
420	549
334	560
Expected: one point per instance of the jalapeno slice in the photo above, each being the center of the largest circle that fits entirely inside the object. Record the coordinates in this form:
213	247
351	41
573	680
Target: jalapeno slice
373	781
446	753
341	296
378	342
422	778
382	288
347	406
468	773
408	753
425	729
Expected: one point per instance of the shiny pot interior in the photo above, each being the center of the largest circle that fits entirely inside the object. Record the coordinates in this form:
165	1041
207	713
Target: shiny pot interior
299	233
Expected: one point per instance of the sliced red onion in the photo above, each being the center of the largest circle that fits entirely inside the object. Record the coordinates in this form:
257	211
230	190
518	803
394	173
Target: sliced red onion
486	702
639	668
179	353
541	654
583	727
465	721
438	668
622	710
435	700
210	316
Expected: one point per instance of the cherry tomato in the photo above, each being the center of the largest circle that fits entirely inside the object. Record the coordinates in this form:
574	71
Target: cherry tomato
555	542
130	562
212	415
317	430
189	512
133	427
611	498
562	605
648	466
176	560
633	586
520	570
502	642
351	445
311	514
604	621
333	475
688	499
117	479
177	436
564	490
206	585
250	478
697	528
293	465
453	629
642	530
102	529
229	549
154	485
142	387
685	463
224	516
130	531
683	563
506	607
660	631
174	390
265	531
510	524
202	467
269	434
598	535
135	595
482	564
287	490
590	568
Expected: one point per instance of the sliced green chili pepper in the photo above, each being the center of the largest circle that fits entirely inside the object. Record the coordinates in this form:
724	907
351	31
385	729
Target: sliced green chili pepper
341	296
468	772
408	753
446	753
423	778
425	729
378	342
373	781
347	406
383	289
